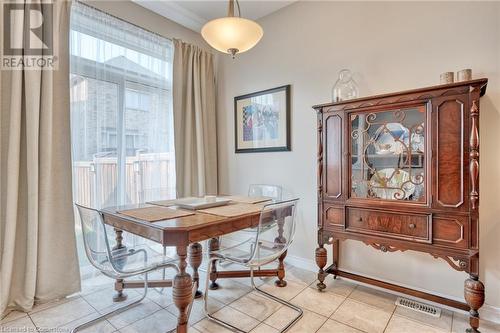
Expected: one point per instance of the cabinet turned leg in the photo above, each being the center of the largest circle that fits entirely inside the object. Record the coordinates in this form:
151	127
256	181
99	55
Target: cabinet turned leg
321	262
474	296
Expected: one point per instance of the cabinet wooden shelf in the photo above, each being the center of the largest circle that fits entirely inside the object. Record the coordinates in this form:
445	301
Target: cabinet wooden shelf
422	196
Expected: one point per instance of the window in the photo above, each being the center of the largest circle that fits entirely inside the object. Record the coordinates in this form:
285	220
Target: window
121	111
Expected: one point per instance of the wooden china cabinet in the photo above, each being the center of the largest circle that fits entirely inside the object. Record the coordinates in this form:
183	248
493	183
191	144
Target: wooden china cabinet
401	172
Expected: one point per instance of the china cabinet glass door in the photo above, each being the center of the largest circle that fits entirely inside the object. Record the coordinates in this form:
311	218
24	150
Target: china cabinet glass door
387	151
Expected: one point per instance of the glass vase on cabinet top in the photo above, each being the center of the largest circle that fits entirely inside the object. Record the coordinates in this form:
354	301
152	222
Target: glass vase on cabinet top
387	152
345	87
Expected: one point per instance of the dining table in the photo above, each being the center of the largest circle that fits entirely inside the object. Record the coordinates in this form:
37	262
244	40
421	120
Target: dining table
166	223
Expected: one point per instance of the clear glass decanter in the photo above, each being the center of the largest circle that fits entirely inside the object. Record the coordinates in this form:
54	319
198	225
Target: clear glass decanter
345	88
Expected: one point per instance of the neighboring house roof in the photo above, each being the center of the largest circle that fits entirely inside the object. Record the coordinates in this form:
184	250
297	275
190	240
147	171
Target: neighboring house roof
124	63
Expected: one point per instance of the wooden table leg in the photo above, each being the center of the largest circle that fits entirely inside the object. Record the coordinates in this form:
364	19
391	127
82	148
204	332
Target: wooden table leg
182	291
213	244
281	266
281	271
195	258
120	296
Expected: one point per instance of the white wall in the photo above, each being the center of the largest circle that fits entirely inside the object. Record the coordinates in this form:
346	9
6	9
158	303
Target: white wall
390	46
133	13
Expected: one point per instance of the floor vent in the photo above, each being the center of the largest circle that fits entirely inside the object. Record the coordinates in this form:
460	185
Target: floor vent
419	307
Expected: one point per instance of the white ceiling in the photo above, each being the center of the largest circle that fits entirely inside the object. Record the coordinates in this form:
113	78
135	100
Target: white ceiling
194	14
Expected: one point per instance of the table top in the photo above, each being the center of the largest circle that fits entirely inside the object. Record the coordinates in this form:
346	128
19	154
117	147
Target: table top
181	230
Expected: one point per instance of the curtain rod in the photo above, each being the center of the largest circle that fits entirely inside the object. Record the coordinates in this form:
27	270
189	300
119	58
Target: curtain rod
121	19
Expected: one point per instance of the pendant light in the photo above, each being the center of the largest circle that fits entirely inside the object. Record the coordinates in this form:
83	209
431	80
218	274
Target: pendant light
232	34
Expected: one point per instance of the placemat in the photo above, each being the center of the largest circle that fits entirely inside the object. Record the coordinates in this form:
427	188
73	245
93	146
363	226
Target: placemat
167	203
233	210
152	214
246	199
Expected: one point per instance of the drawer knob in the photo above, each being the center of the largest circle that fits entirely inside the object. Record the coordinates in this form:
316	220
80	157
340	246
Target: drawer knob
360	219
412	225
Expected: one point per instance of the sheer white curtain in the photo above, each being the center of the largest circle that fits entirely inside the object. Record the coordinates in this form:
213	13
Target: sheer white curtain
121	111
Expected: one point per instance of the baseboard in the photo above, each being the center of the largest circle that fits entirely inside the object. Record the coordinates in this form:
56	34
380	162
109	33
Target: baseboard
490	313
300	262
487	312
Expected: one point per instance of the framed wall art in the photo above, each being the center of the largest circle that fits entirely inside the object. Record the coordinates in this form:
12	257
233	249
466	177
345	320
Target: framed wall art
262	121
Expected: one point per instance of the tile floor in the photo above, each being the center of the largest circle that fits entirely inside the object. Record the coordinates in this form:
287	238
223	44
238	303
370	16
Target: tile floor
344	307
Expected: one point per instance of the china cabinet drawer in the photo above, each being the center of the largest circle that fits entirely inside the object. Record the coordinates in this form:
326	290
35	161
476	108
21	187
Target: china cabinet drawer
413	227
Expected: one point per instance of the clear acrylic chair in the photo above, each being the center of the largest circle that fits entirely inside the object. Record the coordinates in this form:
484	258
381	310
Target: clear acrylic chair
274	192
272	237
116	263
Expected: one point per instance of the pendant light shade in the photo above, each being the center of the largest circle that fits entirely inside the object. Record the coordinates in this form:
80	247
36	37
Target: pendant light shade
232	34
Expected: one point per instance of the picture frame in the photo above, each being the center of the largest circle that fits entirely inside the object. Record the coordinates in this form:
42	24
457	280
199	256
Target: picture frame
262	121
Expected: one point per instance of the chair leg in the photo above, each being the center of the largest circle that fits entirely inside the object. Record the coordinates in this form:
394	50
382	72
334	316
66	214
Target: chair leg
279	300
205	304
262	292
113	312
164	270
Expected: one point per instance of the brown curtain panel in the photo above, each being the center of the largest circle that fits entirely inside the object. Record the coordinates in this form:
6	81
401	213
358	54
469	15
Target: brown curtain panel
38	259
194	120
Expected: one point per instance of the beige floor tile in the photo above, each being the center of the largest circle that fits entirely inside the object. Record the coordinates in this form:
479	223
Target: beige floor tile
300	275
159	322
323	303
50	304
362	316
256	306
23	324
292	289
103	298
263	328
62	314
142	310
96	282
310	321
461	323
197	312
332	326
236	318
193	330
103	326
259	281
399	324
376	298
162	298
339	286
208	326
229	291
13	315
443	322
